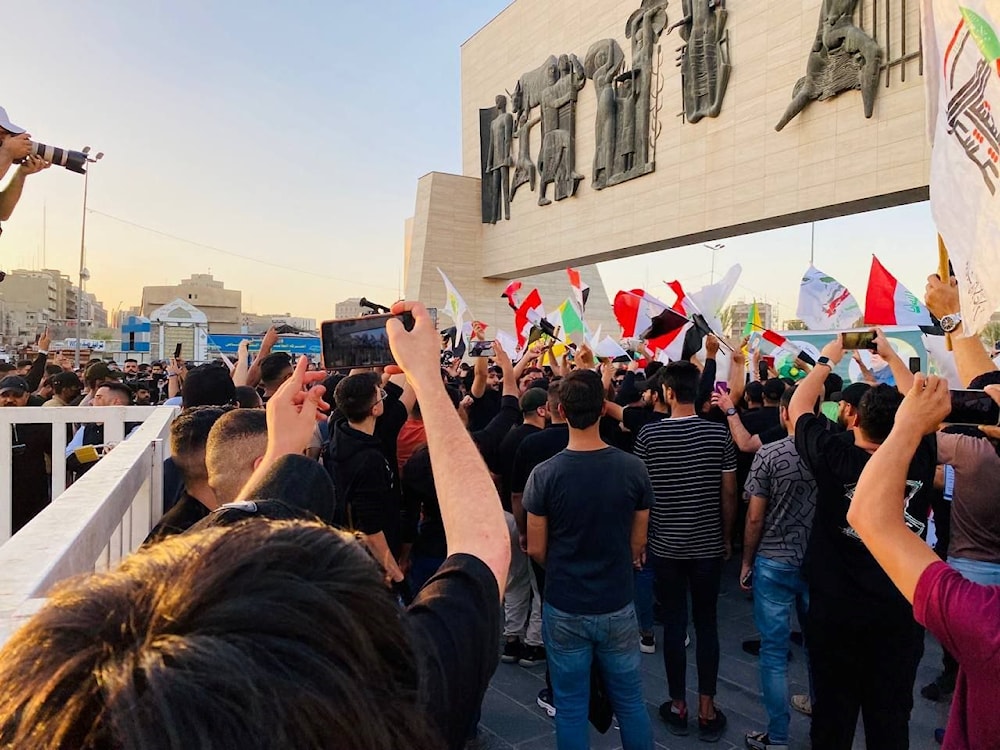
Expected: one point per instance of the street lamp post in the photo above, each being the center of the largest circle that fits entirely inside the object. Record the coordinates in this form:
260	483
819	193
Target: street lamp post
84	274
714	248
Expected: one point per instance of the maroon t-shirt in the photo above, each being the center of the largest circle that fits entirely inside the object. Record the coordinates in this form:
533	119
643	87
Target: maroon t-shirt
965	618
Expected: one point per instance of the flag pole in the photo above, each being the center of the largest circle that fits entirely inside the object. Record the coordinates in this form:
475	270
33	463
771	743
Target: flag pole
944	273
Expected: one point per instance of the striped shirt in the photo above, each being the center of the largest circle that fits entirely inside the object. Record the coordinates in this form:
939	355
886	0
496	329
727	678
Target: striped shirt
686	458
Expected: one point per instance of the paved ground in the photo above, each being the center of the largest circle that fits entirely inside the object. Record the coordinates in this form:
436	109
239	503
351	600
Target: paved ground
511	719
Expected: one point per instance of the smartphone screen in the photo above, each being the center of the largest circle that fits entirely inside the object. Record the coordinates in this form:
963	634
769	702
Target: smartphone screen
177	351
358	342
721	386
973	407
914	365
858	339
481	349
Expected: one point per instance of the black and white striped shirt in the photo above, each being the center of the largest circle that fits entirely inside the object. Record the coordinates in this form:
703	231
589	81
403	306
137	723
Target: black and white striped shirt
686	458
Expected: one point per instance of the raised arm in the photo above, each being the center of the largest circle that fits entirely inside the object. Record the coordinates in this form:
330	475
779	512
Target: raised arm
266	345
470	507
876	511
971	357
737	372
37	371
900	370
242	364
812	387
741	436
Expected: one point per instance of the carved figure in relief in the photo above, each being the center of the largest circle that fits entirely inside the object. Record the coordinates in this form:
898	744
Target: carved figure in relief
704	58
498	160
603	64
843	57
558	105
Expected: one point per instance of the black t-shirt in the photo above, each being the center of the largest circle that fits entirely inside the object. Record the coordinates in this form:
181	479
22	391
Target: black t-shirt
453	624
757	421
534	449
589	500
185	513
30	443
504	459
483	409
840	569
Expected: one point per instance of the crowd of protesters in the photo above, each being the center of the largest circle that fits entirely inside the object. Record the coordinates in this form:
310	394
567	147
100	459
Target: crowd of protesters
347	566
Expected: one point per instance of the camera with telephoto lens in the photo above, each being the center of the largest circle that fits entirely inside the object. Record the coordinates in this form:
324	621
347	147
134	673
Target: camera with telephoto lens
74	161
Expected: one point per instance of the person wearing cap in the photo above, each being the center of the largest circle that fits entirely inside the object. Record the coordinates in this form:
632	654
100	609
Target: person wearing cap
15	146
847	402
66	388
30	444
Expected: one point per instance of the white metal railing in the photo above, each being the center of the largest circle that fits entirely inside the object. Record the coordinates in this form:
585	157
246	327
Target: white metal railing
92	525
114	419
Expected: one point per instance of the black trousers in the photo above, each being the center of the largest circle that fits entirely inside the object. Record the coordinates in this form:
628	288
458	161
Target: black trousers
673	580
864	663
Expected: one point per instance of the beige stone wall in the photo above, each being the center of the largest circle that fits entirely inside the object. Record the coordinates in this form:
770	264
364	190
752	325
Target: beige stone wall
445	232
713	179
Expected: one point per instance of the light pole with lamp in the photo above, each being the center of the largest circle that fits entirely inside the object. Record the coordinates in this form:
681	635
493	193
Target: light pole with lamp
84	273
714	248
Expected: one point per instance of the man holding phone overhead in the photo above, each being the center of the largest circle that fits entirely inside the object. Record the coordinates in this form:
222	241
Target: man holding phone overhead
864	645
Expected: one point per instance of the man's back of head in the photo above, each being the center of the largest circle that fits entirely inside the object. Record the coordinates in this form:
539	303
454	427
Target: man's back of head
877	412
235	444
275	369
356	395
682	378
188	437
581	394
250	636
208	385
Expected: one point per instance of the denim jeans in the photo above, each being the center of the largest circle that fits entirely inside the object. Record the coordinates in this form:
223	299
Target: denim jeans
985	573
673	580
644	597
777	587
571	643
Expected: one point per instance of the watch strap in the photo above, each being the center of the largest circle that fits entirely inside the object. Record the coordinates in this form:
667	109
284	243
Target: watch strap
824	361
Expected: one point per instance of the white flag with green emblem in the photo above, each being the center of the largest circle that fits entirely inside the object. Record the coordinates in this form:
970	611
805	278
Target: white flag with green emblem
962	75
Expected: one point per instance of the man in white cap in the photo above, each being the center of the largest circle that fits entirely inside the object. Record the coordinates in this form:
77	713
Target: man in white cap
15	146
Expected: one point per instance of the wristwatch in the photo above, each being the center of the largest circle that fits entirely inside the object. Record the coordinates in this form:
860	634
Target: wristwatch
824	361
731	411
950	322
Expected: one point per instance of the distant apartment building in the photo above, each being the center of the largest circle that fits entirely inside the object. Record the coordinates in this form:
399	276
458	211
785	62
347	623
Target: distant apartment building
350	308
256	324
35	299
740	314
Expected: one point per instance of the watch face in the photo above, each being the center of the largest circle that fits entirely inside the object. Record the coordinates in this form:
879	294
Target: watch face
950	322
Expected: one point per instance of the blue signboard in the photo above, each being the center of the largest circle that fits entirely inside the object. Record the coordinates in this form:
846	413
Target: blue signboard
230	344
135	334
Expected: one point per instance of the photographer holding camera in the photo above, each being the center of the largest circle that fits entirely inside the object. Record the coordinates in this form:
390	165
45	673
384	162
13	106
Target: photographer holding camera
15	148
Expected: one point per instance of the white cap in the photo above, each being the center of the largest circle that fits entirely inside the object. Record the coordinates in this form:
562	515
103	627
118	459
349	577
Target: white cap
6	124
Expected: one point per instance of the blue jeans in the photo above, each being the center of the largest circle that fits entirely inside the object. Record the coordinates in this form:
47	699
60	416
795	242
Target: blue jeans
571	643
644	597
777	587
987	574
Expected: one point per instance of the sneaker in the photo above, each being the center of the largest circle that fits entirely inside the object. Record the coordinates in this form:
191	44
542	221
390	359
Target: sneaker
710	730
687	640
802	704
940	689
532	656
512	651
677	722
647	642
544	700
760	741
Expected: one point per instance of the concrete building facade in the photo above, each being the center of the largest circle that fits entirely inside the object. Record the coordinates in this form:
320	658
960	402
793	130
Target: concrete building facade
739	314
222	307
716	178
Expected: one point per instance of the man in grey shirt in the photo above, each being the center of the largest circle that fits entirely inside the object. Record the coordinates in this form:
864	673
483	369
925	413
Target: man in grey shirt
782	504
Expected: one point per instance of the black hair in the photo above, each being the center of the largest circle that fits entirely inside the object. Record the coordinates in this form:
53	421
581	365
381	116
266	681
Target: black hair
355	395
246	397
831	385
877	411
683	379
131	359
255	634
208	385
582	396
786	397
330	384
53	369
116	386
188	436
272	366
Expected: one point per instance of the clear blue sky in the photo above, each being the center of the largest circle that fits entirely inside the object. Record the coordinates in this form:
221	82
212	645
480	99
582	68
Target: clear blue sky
295	133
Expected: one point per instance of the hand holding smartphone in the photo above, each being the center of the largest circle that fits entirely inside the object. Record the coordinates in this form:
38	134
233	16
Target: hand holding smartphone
479	349
859	340
359	342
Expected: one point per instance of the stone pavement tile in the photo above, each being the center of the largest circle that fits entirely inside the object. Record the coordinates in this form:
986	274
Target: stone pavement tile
519	683
513	722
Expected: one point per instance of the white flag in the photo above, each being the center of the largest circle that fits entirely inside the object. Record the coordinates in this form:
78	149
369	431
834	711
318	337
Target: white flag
711	299
961	51
825	304
609	348
454	305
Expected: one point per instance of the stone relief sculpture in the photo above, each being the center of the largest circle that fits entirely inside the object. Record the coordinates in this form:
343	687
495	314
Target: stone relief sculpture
704	58
842	58
644	27
499	161
558	105
602	65
524	168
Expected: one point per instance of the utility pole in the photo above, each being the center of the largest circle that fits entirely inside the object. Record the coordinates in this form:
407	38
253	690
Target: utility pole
84	273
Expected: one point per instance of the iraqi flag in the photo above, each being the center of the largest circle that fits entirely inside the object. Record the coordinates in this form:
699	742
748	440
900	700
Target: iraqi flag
962	76
889	303
581	290
527	314
782	343
510	294
634	311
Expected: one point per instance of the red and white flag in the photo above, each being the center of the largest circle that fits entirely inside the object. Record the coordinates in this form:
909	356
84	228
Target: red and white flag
581	290
634	311
889	303
528	314
510	294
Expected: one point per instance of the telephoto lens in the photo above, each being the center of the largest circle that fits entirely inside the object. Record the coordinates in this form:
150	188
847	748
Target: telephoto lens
74	161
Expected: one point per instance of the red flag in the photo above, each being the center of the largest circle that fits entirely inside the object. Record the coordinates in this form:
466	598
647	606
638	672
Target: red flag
511	294
773	338
630	311
889	303
527	313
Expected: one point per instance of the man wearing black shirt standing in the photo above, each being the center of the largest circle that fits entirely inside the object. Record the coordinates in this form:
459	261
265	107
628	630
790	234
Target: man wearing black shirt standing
588	510
864	645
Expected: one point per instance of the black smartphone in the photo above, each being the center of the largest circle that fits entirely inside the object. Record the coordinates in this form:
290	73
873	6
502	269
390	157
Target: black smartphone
177	351
973	407
481	349
359	342
914	365
859	340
